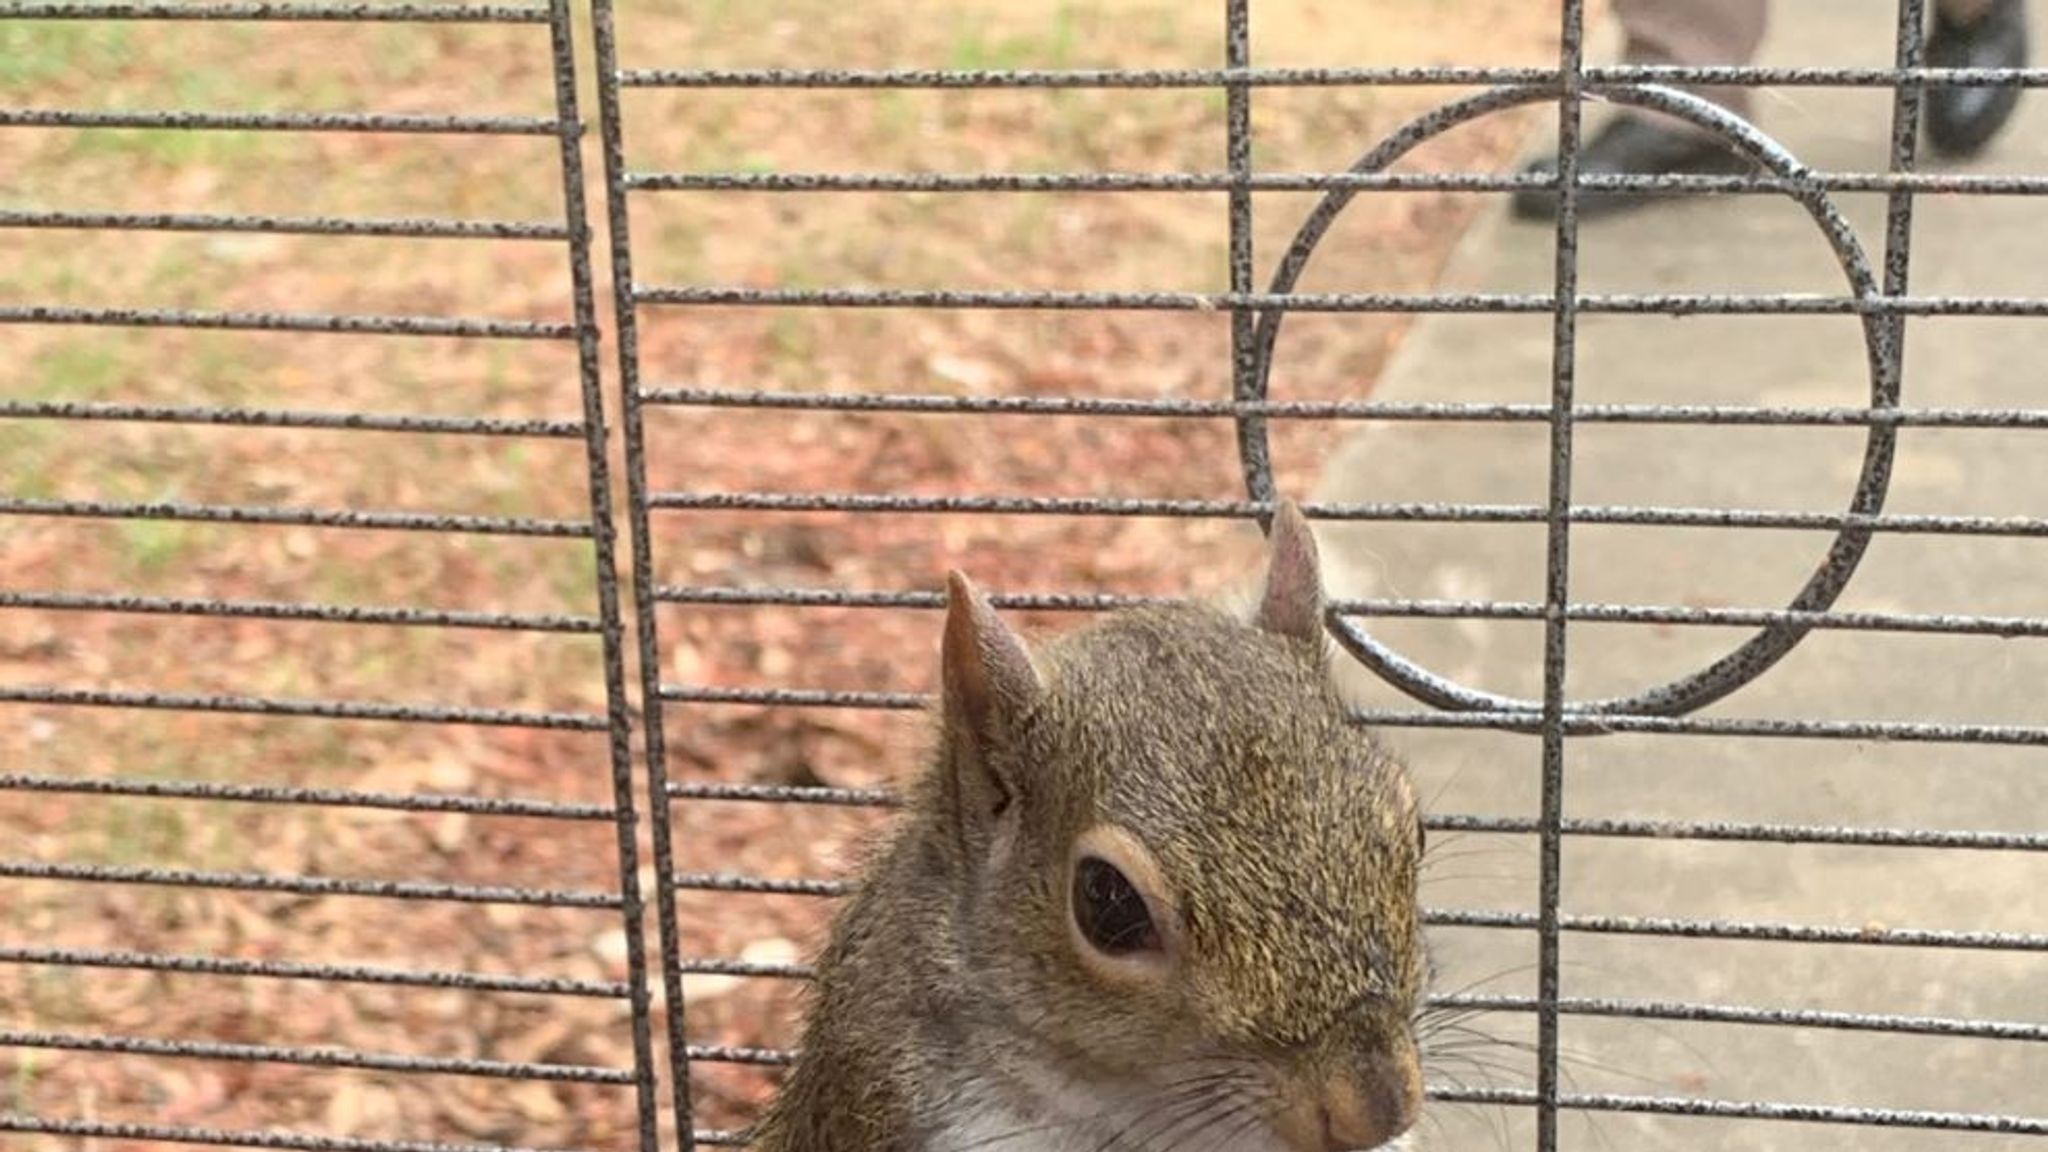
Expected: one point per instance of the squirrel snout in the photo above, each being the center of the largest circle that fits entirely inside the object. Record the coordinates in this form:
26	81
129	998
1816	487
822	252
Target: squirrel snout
1357	1108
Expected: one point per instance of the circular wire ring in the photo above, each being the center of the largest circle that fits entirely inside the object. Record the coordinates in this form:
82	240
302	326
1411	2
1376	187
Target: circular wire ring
1772	642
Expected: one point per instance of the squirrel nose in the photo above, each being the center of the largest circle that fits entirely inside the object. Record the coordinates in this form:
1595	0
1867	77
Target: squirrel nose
1367	1107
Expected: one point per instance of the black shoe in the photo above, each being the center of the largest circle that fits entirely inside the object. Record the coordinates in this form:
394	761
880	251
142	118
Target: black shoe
1633	146
1960	121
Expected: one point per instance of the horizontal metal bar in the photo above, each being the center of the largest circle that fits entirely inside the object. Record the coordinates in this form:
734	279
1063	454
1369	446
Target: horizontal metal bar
1635	75
1873	933
744	968
1714	830
305	885
340	323
1948	183
289	418
324	973
1204	182
1055	506
849	598
322	613
1707	830
1669	1106
1584	1006
376	122
1602	724
310	708
793	697
234	1138
303	517
320	1057
1068	78
760	885
1576	723
419	227
2027	526
1809	1113
1502	303
1179	408
1724	831
784	794
728	1054
356	13
1622	1009
1593	79
312	797
1475	918
1678	1010
2001	626
2004	627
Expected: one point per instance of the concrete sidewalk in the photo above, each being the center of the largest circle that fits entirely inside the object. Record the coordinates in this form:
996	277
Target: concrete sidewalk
1965	245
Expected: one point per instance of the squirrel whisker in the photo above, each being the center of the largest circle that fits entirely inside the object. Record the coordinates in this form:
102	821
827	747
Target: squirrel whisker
1250	1117
1244	1096
1187	1108
1183	1089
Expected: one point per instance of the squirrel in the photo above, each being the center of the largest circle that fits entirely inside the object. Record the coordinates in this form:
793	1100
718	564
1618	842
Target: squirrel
1154	891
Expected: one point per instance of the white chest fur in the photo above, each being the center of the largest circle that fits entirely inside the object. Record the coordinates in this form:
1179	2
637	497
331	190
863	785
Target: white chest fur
1068	1116
994	1128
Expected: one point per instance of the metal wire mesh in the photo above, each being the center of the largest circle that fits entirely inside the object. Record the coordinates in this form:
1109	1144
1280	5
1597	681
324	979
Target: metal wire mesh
72	772
673	420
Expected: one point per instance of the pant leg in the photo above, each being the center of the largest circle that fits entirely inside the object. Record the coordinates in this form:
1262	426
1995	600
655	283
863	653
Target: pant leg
1696	32
1963	11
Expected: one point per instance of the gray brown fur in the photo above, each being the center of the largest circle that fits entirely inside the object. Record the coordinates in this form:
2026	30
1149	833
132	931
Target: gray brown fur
1289	838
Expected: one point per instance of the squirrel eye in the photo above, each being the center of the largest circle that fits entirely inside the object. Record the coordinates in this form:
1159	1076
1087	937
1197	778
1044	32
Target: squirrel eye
1110	912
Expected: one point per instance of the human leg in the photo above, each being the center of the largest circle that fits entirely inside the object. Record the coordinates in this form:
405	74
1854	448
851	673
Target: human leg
1663	32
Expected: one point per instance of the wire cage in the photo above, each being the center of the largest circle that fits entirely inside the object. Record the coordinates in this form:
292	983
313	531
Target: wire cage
293	600
344	449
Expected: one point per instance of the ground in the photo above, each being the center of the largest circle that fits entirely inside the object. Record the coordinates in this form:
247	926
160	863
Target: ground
1065	241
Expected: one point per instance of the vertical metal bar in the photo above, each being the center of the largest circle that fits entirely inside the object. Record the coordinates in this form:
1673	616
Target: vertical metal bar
1244	367
1557	567
1898	224
604	535
612	134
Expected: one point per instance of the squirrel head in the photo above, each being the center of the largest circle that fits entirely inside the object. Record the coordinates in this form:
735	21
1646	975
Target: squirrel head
1185	878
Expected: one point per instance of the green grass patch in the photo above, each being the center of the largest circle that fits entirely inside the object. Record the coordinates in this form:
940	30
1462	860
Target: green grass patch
572	577
34	53
177	146
37	279
140	833
976	48
81	368
405	57
28	451
73	369
150	548
20	1085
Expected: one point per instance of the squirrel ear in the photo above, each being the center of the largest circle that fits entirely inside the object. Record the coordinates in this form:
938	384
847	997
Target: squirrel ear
987	673
1292	603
